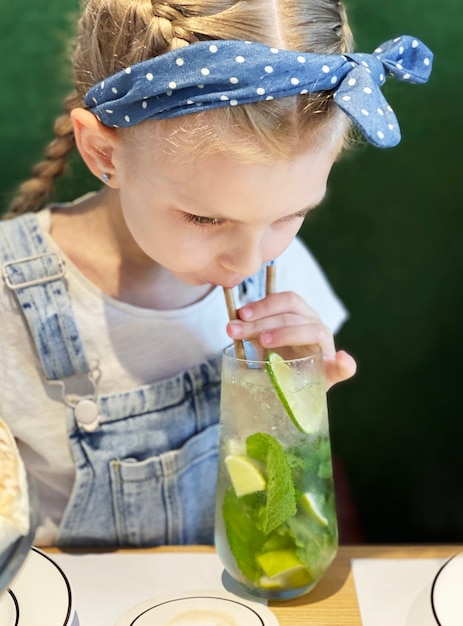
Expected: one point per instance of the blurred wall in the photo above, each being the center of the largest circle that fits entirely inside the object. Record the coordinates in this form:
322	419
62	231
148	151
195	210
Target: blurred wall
388	235
390	238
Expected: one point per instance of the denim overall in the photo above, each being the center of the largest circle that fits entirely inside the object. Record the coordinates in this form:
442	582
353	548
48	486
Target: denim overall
145	459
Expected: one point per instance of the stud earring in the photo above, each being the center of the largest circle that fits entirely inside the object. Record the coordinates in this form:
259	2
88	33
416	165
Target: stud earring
105	178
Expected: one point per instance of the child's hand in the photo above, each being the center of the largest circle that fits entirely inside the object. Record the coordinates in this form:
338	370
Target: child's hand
285	319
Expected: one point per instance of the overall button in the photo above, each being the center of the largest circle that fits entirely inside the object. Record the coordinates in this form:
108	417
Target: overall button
86	413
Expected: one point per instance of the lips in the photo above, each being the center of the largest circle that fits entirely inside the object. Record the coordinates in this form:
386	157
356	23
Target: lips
227	284
227	281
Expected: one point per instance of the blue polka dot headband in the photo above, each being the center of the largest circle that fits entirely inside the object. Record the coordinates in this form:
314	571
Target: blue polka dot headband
213	74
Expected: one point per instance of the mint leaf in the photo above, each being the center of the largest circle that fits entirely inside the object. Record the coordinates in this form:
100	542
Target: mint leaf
314	549
244	537
281	497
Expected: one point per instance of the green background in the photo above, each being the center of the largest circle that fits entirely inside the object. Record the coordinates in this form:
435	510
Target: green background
389	236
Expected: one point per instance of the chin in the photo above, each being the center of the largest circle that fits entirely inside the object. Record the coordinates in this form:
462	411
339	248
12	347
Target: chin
193	281
230	284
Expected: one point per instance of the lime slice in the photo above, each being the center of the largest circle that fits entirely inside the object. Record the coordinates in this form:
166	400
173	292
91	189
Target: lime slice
306	405
245	475
282	570
311	504
277	561
294	577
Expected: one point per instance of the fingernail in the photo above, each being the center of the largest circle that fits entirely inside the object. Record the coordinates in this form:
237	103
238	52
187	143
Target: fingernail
246	313
266	338
235	330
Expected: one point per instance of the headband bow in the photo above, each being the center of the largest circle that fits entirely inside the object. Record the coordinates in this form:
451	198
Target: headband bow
213	74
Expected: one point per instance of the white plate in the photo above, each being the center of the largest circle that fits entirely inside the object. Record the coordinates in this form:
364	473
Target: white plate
9	610
201	608
39	595
447	593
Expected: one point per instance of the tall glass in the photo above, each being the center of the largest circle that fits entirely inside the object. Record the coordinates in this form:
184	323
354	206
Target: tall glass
275	529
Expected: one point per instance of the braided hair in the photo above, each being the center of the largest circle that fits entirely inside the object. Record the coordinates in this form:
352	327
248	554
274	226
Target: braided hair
114	34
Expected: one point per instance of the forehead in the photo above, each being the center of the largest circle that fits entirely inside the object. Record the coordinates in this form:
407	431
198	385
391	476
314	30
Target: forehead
221	185
230	131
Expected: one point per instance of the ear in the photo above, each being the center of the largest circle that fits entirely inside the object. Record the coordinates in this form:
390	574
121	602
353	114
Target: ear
96	144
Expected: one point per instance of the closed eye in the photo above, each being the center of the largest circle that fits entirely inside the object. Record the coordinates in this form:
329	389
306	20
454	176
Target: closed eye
206	222
301	215
201	220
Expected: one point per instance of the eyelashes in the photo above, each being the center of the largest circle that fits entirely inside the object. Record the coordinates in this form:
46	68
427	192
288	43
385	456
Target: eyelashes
200	220
302	215
207	222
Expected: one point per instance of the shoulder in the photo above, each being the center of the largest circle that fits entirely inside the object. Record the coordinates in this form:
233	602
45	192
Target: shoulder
299	271
14	231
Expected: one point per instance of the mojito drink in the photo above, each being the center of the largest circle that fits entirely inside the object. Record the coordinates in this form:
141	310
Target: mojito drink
276	530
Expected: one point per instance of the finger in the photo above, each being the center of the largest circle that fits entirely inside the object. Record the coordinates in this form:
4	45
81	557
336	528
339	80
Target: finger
341	368
308	334
245	330
276	304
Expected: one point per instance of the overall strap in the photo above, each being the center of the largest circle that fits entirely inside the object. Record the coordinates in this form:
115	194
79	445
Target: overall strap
253	287
35	275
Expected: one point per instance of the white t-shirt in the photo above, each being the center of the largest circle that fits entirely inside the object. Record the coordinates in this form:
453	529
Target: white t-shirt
134	346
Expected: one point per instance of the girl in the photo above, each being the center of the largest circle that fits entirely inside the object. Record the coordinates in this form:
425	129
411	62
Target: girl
214	127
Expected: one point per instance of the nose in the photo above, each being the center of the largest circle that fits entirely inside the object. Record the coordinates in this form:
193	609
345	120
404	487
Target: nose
244	255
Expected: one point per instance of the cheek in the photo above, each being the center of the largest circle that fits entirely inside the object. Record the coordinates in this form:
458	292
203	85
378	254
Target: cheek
279	238
169	243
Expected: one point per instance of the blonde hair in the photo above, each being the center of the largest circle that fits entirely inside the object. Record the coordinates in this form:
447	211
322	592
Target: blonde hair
113	34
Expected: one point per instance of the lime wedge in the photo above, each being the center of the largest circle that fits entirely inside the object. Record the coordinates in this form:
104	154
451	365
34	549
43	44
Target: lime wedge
304	403
311	505
278	561
245	475
294	577
282	570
